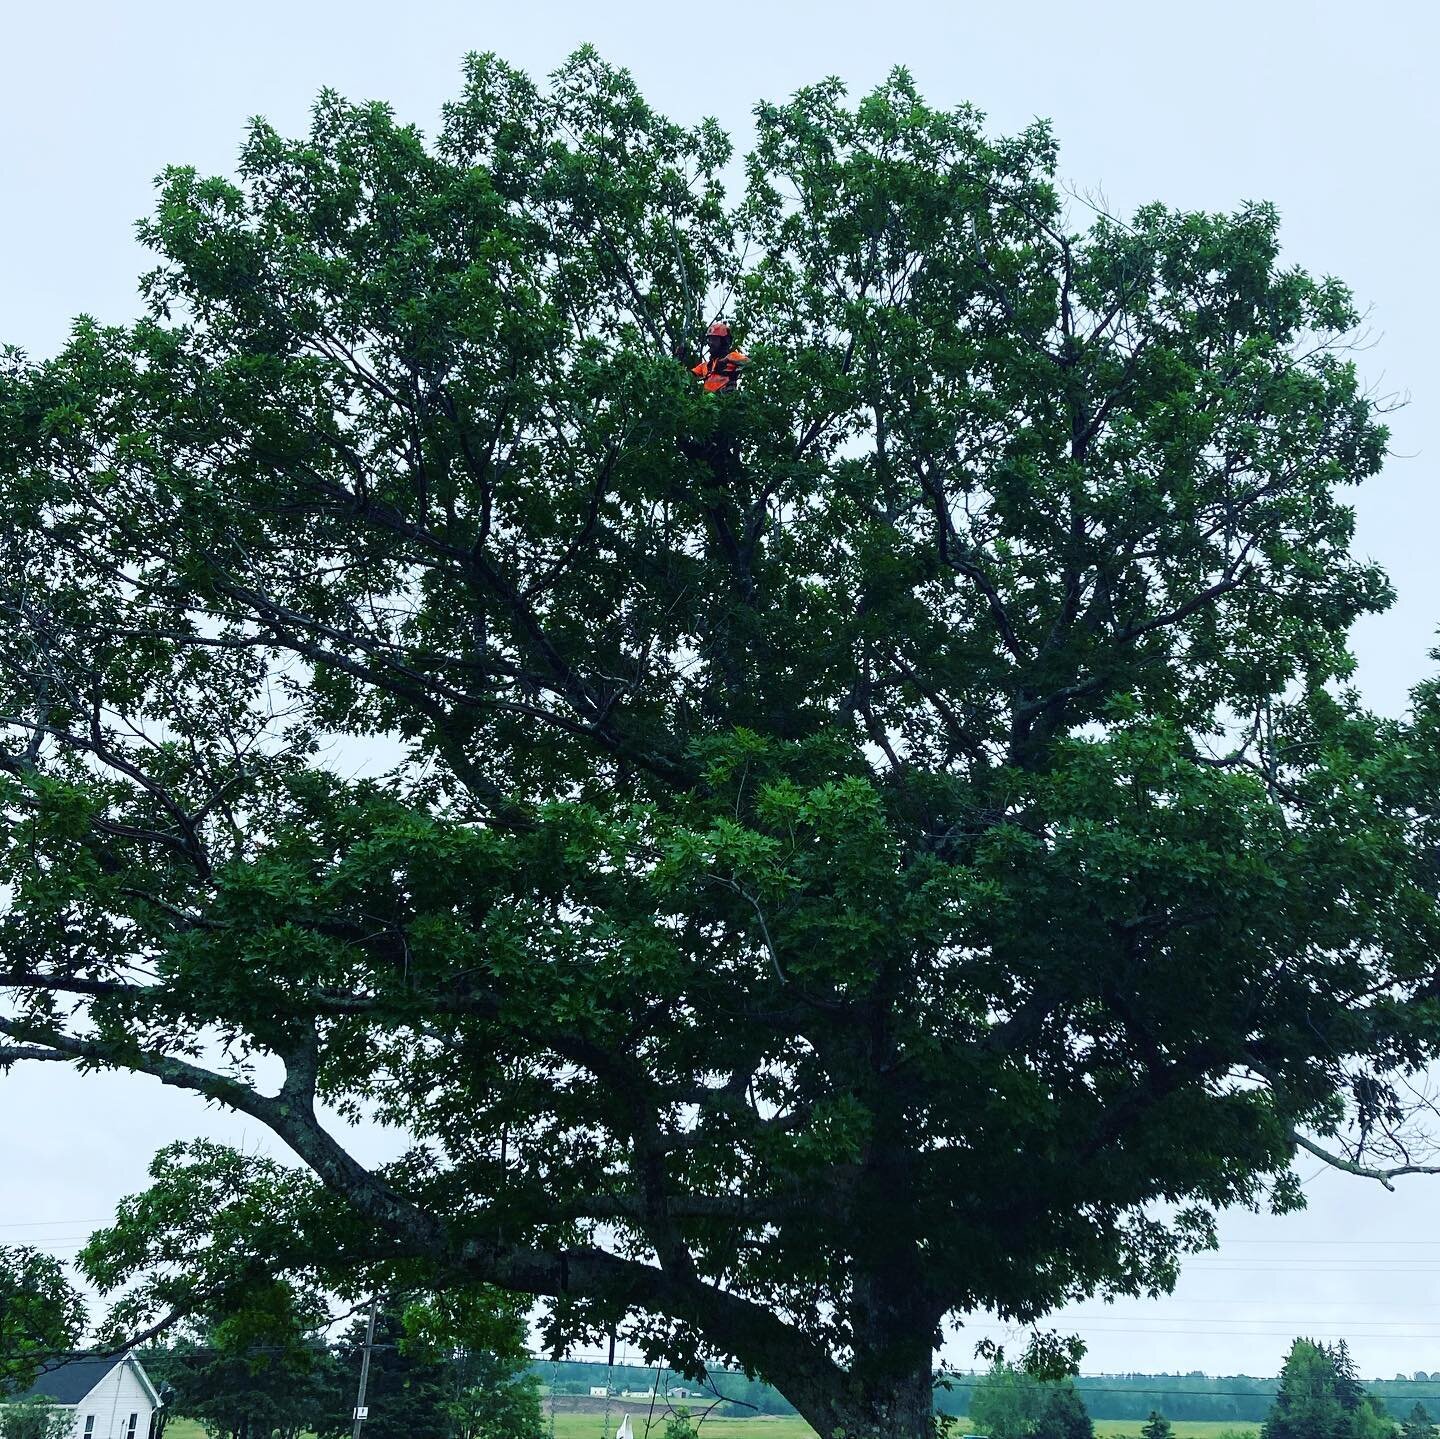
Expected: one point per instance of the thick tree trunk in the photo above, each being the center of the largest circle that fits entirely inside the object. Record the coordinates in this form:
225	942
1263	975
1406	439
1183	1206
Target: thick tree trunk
893	1315
902	1407
888	1392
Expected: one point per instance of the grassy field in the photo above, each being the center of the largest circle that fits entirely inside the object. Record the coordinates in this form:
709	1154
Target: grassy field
587	1426
1184	1428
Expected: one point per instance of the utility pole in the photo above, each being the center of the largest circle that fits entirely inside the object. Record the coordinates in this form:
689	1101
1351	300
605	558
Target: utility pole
360	1410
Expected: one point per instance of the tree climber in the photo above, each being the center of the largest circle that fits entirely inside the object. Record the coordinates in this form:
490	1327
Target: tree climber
720	370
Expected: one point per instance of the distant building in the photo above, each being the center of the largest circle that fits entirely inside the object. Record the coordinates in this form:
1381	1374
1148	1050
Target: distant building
599	1392
109	1398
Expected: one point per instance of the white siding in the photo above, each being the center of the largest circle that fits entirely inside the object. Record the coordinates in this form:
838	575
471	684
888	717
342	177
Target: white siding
112	1401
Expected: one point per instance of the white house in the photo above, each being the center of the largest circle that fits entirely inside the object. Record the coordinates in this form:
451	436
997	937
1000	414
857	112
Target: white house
109	1398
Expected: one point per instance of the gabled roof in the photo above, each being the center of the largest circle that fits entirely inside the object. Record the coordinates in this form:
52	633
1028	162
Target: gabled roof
69	1382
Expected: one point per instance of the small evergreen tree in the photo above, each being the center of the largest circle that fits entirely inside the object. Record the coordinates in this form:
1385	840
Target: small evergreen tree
1063	1414
1418	1424
1348	1388
678	1426
1157	1426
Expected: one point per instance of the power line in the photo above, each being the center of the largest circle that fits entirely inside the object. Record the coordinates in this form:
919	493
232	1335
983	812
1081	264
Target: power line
1287	1331
1184	1301
1284	1320
48	1223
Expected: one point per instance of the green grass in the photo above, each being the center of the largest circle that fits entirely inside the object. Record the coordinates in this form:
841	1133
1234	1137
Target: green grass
588	1426
1183	1428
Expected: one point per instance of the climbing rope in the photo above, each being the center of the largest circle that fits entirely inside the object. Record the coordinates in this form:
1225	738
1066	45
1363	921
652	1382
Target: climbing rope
609	1376
654	1395
692	308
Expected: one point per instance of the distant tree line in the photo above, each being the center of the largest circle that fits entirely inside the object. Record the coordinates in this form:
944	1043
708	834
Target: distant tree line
1241	1399
1238	1398
734	1393
1319	1395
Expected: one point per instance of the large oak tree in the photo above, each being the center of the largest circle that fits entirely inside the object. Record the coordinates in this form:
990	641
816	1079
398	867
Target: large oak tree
802	866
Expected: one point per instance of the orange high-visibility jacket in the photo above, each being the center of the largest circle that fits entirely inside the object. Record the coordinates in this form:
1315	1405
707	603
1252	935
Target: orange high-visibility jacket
721	374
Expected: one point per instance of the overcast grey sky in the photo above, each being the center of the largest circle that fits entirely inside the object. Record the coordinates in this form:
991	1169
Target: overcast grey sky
1329	110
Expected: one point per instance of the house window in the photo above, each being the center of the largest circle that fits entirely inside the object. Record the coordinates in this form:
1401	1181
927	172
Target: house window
89	1426
130	1428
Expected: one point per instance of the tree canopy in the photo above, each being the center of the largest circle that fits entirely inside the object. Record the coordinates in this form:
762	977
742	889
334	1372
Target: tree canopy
497	1398
239	1389
1418	1424
1321	1397
35	1417
802	866
41	1314
276	1393
409	1392
1009	1403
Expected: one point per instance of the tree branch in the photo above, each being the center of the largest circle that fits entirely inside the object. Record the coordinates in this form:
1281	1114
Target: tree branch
1362	1171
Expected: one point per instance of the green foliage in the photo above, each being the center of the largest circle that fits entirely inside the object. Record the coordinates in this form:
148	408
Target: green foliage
679	1426
41	1315
411	1388
1005	1404
416	1385
832	857
1157	1426
1418	1424
497	1399
1063	1414
1011	1403
34	1418
1240	1400
1321	1397
240	1393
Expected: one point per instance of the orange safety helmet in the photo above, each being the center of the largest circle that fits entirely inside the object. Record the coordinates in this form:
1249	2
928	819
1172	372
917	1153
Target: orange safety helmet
719	330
